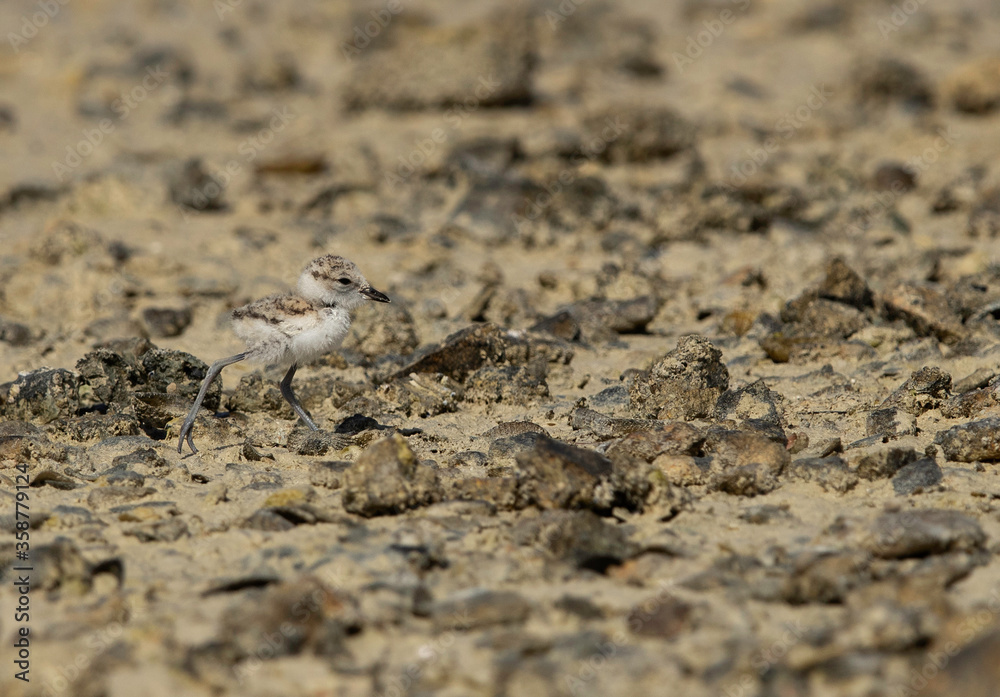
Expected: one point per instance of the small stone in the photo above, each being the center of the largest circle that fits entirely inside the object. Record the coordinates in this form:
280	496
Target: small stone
684	384
879	462
971	442
169	530
108	496
895	177
387	479
925	389
17	334
329	475
475	608
44	395
673	438
165	321
831	473
508	384
665	618
380	331
501	492
921	532
916	477
683	470
754	401
925	309
580	538
436	67
891	422
975	87
194	188
645	133
554	474
877	83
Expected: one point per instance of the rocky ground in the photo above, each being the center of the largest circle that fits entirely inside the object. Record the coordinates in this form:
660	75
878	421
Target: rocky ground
689	384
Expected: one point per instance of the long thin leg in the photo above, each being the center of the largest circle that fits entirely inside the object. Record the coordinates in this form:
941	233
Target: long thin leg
286	392
213	372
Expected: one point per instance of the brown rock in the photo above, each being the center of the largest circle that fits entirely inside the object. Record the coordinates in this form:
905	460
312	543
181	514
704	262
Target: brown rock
387	479
684	384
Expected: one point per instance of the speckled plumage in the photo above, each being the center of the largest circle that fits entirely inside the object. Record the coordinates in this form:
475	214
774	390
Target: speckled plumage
293	328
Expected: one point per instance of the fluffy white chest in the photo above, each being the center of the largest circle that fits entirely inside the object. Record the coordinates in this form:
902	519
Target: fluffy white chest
320	336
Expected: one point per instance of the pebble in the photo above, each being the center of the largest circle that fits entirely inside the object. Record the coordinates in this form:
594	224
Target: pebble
476	608
44	395
685	384
387	479
971	442
921	532
554	474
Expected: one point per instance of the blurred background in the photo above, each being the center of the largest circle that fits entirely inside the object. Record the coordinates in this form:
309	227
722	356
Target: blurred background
213	147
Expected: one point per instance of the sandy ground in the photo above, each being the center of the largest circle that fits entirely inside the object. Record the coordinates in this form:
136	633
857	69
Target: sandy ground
527	481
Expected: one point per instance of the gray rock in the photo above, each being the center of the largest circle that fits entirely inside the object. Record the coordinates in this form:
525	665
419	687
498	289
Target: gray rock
603	320
925	389
922	532
554	474
165	321
662	618
108	496
193	187
925	309
579	538
971	442
388	479
684	384
645	132
916	477
890	422
509	384
831	473
842	284
672	438
435	66
880	462
500	492
329	475
378	331
44	395
750	402
877	83
475	608
17	334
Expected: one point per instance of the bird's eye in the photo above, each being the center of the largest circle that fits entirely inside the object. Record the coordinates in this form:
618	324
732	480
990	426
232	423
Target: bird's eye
344	281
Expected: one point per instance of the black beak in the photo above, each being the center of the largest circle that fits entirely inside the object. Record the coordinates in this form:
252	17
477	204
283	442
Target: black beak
375	295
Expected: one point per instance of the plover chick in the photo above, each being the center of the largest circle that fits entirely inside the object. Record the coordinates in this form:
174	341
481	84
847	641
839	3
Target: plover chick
286	330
